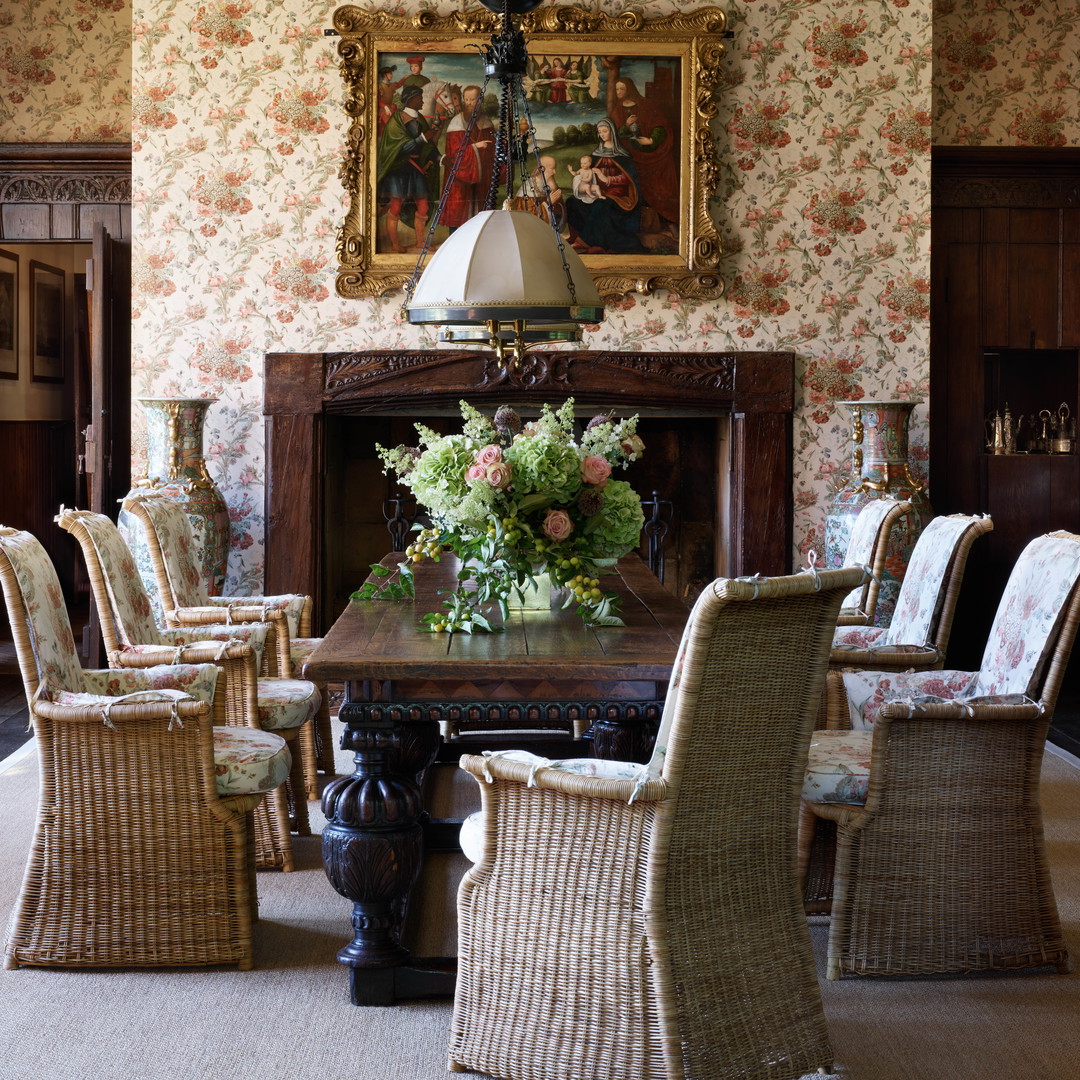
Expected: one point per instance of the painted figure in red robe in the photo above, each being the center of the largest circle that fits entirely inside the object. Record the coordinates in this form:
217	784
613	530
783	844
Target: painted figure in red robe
647	134
467	195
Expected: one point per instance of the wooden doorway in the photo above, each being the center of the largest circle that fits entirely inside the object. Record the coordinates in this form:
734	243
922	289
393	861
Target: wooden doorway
73	194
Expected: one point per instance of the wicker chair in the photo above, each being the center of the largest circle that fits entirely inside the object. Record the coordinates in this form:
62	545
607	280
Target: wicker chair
643	921
940	865
155	524
141	853
918	634
133	639
868	546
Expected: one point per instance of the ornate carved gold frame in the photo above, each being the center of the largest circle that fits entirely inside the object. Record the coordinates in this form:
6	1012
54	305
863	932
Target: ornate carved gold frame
695	38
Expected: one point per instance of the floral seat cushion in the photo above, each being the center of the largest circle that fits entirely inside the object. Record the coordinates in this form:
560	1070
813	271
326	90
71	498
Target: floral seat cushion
247	761
472	828
838	768
286	703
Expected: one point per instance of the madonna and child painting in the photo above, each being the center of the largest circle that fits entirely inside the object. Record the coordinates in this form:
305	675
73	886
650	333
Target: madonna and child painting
607	148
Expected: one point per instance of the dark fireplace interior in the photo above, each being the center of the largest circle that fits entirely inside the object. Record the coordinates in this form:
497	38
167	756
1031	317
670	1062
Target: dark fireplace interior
683	464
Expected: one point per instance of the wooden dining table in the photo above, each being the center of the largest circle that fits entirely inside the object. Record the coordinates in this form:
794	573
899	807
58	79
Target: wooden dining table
543	681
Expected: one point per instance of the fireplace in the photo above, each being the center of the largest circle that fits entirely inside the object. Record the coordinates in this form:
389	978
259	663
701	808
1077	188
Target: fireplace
717	428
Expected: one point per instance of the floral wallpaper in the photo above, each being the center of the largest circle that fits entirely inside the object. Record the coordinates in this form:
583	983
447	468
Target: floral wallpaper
824	132
65	71
1007	73
828	110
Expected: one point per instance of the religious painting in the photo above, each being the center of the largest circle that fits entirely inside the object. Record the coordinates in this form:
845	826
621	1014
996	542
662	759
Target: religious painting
9	315
46	323
615	109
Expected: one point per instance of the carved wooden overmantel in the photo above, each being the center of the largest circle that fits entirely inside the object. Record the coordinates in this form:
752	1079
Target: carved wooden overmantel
754	389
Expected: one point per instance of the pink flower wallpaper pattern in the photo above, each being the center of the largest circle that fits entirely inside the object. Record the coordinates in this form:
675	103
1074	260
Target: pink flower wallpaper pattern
65	71
827	114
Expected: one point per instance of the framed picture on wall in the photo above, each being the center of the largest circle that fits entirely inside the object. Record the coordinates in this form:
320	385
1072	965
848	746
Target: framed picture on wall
626	98
9	315
46	323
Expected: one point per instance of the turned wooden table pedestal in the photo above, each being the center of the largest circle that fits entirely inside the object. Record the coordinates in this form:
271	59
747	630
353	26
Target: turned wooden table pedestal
412	698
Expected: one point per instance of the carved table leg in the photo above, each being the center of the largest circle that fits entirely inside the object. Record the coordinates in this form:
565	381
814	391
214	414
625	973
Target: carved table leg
373	850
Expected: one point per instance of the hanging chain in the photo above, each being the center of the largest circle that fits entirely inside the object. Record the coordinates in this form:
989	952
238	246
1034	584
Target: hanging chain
538	171
506	58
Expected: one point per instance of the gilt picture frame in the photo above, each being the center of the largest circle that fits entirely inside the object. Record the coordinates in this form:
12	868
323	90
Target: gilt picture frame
9	314
621	107
47	314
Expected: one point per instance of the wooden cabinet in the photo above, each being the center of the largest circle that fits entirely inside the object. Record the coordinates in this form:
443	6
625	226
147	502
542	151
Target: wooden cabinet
1005	328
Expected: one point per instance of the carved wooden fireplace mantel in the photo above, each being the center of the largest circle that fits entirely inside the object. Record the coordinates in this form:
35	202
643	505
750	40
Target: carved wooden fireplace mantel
754	390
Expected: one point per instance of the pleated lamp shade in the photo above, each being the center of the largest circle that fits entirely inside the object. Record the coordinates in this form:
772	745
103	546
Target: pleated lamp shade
504	265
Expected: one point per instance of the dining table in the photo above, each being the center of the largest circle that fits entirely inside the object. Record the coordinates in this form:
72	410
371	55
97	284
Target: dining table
543	680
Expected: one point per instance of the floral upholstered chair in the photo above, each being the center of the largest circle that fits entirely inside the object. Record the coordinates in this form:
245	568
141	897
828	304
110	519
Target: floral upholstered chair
647	887
918	633
868	545
133	639
940	865
163	543
140	853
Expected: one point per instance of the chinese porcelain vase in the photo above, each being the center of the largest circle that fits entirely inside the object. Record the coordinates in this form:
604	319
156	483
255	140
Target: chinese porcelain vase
879	470
176	466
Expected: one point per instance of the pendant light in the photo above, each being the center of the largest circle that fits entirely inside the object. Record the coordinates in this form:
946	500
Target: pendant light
505	278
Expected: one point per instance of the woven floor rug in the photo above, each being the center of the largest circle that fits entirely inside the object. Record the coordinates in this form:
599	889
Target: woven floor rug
289	1019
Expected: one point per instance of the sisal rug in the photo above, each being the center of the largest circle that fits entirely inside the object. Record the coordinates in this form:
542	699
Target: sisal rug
290	1019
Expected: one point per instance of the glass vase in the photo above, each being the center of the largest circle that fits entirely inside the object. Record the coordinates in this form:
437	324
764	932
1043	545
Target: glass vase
880	469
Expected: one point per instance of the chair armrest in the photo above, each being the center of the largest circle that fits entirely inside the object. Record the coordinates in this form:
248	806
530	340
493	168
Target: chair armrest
852	617
121	712
1003	707
887	657
553	779
276	661
199	652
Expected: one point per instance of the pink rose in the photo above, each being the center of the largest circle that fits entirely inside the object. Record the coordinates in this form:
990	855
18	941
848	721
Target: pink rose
557	525
488	455
476	472
498	475
595	470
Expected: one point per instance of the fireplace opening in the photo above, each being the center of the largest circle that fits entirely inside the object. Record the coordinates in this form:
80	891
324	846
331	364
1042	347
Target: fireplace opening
685	466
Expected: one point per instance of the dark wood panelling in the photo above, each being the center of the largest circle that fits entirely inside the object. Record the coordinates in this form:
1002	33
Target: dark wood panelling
59	191
1006	275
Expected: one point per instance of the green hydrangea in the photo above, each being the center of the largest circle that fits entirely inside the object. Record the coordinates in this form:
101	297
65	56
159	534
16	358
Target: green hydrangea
618	528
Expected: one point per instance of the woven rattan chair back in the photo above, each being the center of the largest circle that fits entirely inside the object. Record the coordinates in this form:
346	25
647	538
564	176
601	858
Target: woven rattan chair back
136	861
868	546
123	603
664	938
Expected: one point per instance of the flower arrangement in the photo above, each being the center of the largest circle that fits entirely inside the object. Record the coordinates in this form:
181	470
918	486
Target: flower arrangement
513	500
